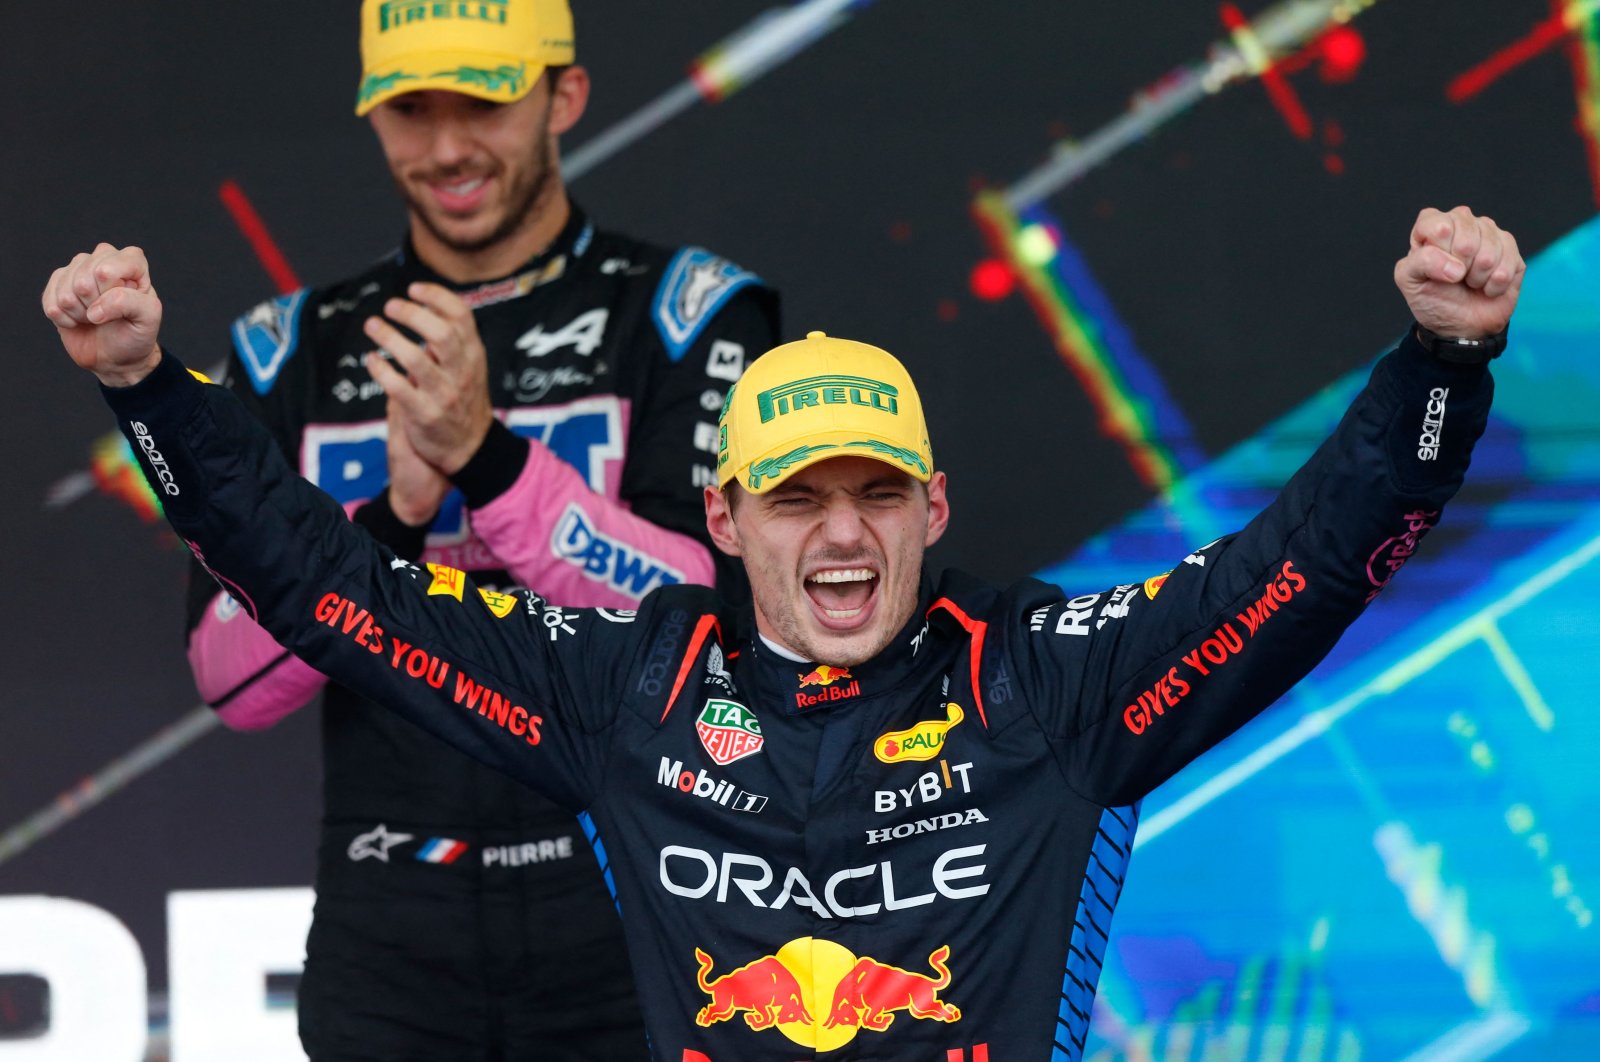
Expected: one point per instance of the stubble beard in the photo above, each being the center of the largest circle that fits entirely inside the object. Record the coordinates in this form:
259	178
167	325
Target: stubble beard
523	203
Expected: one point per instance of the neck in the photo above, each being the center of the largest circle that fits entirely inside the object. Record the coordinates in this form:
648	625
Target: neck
542	224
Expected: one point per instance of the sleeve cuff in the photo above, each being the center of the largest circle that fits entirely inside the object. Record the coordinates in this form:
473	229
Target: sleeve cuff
494	468
1417	356
167	384
382	524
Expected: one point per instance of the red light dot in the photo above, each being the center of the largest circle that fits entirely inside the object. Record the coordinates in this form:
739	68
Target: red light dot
1343	51
992	280
948	310
1333	163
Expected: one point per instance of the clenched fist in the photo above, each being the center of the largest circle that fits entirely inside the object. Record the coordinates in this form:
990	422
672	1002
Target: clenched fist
1462	275
107	313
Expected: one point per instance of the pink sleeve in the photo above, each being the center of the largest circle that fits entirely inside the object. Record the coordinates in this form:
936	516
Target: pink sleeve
251	680
569	544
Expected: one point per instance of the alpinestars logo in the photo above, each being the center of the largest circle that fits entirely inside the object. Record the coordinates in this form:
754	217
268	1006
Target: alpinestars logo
375	844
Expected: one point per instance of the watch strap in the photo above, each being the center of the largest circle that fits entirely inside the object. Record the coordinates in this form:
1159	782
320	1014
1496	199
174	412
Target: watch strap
1462	351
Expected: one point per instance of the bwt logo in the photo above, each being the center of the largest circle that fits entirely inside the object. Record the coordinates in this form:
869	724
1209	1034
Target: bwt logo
830	391
606	560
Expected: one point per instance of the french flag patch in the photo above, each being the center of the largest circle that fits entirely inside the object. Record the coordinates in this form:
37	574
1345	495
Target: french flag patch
441	850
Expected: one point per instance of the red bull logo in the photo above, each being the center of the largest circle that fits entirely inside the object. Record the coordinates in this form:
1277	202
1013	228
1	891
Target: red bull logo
825	677
820	995
764	990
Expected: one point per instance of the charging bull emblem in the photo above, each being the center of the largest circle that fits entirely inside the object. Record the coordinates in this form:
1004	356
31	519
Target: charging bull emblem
810	976
871	992
764	989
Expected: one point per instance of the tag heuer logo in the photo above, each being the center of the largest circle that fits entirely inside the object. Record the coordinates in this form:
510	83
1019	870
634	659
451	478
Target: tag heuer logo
728	730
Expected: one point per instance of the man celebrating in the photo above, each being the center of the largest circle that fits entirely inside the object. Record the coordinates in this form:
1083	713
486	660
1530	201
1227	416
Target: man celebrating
867	817
460	915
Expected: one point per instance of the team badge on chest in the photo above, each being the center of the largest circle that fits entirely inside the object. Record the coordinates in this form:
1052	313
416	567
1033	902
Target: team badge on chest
728	730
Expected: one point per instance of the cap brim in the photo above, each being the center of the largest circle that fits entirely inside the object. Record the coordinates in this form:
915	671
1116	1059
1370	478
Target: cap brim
778	464
463	72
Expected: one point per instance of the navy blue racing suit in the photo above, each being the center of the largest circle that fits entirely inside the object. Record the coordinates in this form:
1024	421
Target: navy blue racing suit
459	915
913	858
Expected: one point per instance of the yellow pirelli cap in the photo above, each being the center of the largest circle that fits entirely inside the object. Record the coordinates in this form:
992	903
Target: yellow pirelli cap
817	398
492	49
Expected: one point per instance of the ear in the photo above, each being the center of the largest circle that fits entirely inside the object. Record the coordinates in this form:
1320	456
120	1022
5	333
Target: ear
938	509
568	97
719	522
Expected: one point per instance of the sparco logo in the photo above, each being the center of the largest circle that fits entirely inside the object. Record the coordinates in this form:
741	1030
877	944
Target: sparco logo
158	464
658	665
1433	425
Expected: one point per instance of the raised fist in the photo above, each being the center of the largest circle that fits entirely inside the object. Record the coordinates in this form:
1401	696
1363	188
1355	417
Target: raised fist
1462	275
107	313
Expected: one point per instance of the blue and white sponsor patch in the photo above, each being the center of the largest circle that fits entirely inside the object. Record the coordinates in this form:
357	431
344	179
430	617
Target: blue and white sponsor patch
604	559
267	337
226	607
581	244
694	287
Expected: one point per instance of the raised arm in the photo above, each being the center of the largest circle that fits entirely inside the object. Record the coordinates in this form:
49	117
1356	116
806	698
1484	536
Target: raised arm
1134	683
488	673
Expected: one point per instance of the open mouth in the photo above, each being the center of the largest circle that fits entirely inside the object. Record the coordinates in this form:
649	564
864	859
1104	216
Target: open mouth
843	596
459	195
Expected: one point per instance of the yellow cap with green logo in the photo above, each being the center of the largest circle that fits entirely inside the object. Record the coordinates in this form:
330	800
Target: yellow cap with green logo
492	49
817	398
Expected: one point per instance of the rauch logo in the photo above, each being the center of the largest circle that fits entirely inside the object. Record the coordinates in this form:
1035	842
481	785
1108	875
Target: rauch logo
920	742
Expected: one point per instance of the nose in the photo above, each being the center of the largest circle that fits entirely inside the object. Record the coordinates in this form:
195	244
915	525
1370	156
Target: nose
451	145
842	525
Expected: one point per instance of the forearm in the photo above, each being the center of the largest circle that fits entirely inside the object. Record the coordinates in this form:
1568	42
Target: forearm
419	641
1240	622
555	535
243	673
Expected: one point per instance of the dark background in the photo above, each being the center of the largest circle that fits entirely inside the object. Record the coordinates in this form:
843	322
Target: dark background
1249	274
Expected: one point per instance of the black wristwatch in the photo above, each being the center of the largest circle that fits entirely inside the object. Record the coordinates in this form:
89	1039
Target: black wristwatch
1462	351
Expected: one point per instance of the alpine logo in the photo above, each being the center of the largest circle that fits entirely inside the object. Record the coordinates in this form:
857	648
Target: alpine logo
728	730
703	785
606	560
584	334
